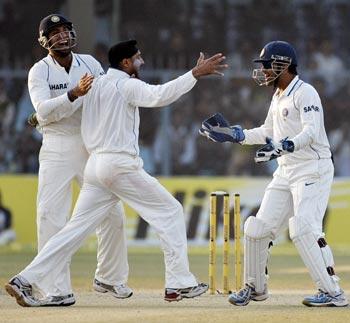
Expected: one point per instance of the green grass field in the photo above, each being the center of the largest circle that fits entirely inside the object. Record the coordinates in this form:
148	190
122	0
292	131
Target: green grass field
289	283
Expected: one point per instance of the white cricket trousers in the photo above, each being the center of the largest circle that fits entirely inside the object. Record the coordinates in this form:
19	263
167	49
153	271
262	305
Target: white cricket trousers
108	178
297	190
296	197
62	159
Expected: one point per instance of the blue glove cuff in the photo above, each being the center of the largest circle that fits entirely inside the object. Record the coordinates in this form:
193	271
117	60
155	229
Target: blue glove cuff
237	133
288	145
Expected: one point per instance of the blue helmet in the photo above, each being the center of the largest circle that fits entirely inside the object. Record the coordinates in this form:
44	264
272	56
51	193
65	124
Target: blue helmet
278	50
276	57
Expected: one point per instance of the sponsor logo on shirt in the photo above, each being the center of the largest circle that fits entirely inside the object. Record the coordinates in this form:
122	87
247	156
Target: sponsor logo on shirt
311	108
61	86
308	184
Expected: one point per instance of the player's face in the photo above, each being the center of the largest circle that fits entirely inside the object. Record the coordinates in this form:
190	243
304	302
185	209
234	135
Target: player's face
264	75
137	62
269	75
61	40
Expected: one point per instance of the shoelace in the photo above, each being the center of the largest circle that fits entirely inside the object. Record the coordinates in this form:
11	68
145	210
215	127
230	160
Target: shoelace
321	294
27	289
121	287
244	291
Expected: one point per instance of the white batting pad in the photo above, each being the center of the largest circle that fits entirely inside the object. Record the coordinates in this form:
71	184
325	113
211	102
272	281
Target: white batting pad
315	258
257	237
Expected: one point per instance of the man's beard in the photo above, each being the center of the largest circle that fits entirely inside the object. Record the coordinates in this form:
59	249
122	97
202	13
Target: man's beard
273	83
62	53
135	73
136	69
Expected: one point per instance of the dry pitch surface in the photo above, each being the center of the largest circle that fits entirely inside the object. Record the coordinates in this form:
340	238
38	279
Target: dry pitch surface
147	304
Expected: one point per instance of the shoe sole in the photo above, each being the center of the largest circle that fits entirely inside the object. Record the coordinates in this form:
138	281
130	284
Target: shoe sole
102	290
309	304
177	299
194	295
58	304
257	299
238	304
260	298
13	292
186	295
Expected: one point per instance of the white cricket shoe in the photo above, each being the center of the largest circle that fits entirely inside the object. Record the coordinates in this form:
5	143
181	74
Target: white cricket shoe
323	299
177	294
21	289
118	291
66	300
247	294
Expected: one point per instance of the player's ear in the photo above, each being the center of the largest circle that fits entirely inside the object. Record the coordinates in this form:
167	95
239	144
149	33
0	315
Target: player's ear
126	62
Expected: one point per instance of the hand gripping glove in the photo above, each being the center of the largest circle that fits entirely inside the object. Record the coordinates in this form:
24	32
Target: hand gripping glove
216	128
273	150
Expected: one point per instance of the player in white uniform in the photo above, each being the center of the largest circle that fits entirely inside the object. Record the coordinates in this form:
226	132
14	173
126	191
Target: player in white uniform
299	191
114	171
55	93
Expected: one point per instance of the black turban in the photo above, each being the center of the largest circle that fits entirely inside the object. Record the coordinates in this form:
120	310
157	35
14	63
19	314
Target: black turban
118	52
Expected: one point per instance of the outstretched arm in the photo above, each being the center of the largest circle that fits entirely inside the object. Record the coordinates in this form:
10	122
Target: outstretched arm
258	135
217	128
140	93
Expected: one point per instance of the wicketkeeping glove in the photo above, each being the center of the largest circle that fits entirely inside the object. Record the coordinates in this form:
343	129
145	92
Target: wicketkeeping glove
217	129
273	150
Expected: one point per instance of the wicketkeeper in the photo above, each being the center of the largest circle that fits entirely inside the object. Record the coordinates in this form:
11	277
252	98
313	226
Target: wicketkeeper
298	194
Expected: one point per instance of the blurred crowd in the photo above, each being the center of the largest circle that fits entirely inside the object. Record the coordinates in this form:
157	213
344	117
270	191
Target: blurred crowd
170	35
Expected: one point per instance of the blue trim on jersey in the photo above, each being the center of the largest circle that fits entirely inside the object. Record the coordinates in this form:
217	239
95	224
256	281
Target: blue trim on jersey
53	60
293	87
295	107
312	148
133	129
48	71
85	64
78	61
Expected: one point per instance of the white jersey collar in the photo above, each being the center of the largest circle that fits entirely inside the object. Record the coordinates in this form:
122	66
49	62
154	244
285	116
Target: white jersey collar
113	72
53	62
289	89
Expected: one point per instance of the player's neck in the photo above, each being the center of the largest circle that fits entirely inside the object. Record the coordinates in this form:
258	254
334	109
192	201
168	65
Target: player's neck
284	81
64	61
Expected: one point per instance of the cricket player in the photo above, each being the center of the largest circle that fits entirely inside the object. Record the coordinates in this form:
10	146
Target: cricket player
56	86
298	194
114	171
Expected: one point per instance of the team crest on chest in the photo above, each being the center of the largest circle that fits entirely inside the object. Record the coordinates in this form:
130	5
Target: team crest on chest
285	112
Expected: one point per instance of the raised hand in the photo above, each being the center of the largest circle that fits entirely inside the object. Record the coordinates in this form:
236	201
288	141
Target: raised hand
82	88
210	66
84	85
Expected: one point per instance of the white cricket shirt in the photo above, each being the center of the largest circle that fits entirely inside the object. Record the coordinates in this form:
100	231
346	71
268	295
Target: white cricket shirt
48	84
110	121
295	113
